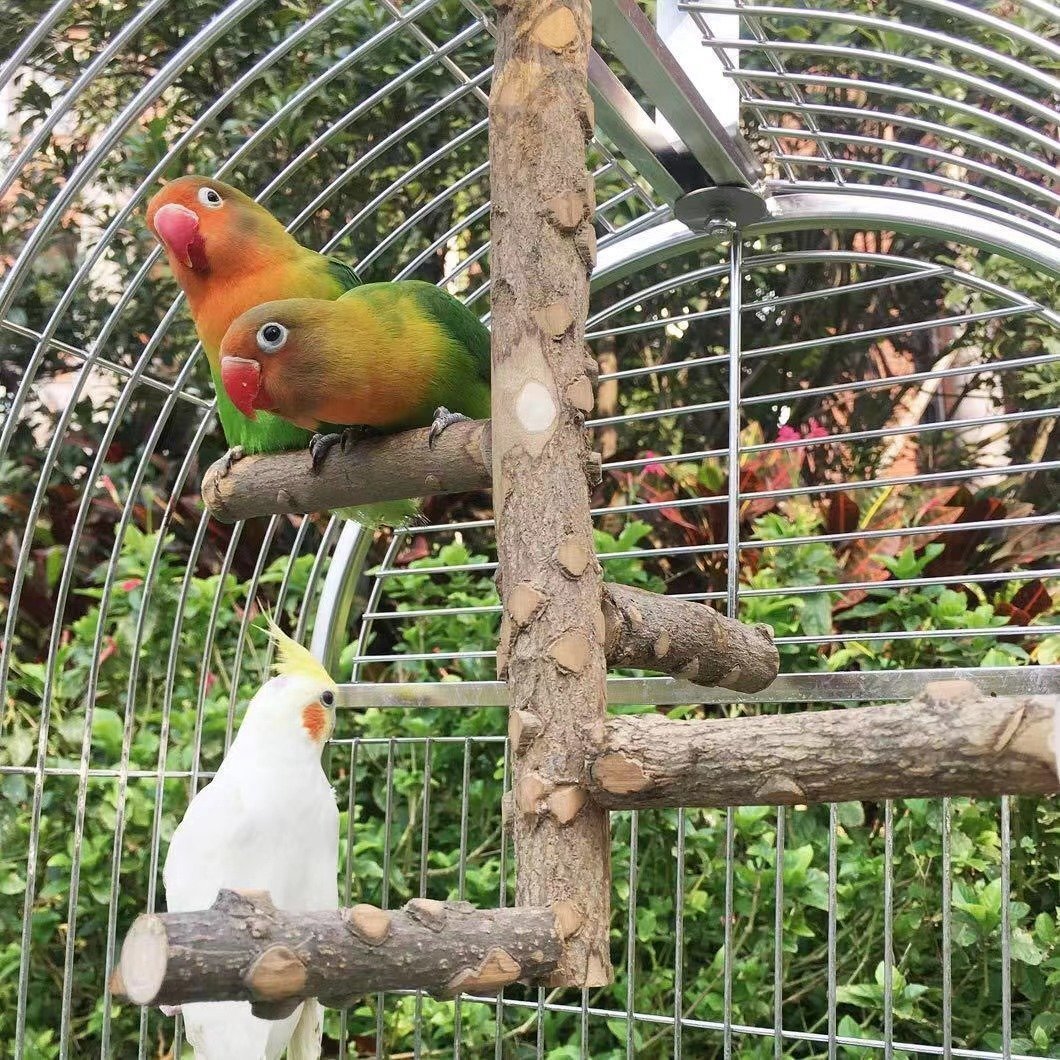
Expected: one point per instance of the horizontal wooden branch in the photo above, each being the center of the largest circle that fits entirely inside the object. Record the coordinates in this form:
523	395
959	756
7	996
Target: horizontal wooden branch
953	741
391	467
244	949
648	631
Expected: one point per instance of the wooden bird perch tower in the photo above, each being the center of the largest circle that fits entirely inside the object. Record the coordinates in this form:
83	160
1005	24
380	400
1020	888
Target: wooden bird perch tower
561	627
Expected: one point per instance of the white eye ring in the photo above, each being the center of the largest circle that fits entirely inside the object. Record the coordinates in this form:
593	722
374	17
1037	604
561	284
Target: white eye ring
210	199
271	337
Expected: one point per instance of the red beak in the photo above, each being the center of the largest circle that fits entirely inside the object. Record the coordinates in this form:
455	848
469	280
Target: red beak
241	379
178	228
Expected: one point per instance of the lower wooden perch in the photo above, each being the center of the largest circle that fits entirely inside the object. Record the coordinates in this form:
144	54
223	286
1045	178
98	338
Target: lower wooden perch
953	741
244	949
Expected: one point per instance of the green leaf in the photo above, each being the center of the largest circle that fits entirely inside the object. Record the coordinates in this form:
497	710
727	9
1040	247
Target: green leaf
851	814
796	862
1045	927
107	730
816	615
1023	948
19	747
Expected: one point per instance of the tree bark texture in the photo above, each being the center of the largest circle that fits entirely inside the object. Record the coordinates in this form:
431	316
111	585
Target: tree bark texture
244	949
389	468
647	631
954	741
551	645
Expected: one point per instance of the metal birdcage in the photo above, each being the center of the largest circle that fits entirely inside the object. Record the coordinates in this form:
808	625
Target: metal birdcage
830	382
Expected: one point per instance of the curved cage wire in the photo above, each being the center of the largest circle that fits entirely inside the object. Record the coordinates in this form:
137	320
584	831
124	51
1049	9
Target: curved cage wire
842	424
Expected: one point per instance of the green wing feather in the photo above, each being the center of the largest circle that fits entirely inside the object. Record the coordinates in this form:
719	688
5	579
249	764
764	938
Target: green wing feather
463	327
343	273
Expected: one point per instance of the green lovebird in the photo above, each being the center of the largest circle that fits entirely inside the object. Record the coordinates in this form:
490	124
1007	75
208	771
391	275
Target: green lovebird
382	357
229	254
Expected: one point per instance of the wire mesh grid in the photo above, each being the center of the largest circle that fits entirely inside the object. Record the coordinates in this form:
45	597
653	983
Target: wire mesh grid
709	938
916	97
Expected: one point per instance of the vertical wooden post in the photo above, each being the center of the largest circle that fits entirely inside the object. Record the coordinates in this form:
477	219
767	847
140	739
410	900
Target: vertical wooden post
552	631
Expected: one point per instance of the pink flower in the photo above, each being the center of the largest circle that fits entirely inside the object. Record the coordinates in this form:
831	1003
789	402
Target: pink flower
653	469
812	429
129	584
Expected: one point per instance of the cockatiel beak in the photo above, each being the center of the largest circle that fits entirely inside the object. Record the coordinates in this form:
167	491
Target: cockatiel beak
178	228
241	379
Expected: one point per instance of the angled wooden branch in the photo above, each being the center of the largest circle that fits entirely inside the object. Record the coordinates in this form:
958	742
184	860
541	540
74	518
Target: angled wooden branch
647	631
244	949
953	741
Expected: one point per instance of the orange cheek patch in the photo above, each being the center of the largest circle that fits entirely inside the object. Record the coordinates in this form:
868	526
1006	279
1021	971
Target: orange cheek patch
315	721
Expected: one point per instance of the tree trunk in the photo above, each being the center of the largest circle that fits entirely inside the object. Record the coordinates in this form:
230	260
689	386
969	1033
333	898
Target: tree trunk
954	741
552	629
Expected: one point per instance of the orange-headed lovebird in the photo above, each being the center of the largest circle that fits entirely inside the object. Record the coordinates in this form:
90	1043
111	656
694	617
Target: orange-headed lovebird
229	254
382	357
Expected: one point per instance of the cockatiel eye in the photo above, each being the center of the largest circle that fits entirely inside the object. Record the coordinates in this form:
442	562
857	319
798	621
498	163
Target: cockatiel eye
210	199
271	337
327	697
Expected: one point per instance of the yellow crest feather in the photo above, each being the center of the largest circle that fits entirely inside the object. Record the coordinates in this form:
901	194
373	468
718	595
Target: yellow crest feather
294	660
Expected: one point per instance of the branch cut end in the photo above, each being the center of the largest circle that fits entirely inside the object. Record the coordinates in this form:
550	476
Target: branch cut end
144	958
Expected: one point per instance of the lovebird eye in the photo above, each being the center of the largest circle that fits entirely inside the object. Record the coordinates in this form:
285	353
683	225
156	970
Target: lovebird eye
210	198
271	337
328	698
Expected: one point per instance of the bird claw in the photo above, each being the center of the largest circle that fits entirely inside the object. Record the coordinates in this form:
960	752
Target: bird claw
319	447
233	456
443	418
353	434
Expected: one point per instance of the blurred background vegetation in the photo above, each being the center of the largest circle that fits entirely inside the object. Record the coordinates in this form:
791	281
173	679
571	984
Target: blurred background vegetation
133	612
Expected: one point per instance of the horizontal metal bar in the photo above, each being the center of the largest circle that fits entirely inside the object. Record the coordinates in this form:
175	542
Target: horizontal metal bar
800	298
924	634
888	381
952	132
830	638
934	154
1002	577
1011	128
104	364
726	157
621	1015
934	478
858	57
938	41
974	191
848	386
912	429
817	687
903	531
878	209
785	542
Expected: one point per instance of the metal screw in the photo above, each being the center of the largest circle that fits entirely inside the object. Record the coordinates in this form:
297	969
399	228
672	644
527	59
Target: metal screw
719	226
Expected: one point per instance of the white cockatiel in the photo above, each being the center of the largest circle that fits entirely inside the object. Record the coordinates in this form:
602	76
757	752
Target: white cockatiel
267	821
